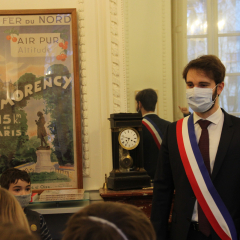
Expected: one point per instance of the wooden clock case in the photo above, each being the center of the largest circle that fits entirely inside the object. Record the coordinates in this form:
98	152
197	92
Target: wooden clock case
137	176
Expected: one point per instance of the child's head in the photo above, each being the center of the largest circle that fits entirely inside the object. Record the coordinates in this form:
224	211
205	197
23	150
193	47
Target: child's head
109	221
16	181
10	231
11	211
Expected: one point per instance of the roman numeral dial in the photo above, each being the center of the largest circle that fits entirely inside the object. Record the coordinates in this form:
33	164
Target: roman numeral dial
129	138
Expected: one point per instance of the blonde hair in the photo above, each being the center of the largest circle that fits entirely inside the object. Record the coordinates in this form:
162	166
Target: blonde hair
11	211
109	221
9	231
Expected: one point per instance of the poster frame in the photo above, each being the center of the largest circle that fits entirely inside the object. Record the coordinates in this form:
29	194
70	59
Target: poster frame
76	102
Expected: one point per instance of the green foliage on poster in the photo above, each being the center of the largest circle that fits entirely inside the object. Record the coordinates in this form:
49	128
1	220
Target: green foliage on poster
55	88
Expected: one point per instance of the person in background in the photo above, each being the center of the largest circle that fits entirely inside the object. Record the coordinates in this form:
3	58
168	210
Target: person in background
11	211
199	159
9	231
18	183
109	221
153	130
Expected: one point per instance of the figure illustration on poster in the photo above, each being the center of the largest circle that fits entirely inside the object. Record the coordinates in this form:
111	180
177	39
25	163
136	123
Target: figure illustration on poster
41	131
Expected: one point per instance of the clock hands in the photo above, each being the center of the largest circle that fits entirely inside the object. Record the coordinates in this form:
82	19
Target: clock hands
128	138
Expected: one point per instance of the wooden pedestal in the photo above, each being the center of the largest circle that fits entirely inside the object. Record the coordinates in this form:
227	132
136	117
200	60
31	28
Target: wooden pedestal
142	198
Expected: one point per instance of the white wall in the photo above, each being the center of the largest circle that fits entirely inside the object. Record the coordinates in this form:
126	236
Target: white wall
148	51
43	4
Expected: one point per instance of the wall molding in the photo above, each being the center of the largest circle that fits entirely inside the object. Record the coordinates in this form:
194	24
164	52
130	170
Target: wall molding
117	70
126	36
83	88
116	83
118	55
164	67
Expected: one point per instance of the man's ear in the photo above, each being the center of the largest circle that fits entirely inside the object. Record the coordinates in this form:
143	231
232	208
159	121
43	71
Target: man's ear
220	88
140	105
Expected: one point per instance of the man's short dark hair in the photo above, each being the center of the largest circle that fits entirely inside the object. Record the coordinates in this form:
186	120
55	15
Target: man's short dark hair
148	98
210	65
12	175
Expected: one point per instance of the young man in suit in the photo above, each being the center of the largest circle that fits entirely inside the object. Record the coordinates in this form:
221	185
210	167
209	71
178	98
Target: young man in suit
202	164
153	128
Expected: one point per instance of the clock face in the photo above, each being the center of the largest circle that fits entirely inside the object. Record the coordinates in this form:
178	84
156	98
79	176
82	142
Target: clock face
129	138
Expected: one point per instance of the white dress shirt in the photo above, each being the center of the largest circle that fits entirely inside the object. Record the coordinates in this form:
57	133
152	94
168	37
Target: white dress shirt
149	114
214	132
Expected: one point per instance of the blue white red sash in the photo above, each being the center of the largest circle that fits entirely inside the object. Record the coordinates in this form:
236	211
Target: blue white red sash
154	130
207	196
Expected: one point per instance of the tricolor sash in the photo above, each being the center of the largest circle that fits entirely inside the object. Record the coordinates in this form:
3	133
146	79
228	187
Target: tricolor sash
154	130
201	183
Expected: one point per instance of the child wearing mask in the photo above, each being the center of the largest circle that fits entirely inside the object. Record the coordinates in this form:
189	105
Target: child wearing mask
19	184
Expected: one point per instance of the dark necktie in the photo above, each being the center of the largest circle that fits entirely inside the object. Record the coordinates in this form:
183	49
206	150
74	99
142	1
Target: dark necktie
204	225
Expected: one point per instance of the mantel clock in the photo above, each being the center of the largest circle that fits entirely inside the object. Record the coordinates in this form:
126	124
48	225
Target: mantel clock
127	152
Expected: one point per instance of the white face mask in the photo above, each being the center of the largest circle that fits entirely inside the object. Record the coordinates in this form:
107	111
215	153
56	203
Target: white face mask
200	99
24	199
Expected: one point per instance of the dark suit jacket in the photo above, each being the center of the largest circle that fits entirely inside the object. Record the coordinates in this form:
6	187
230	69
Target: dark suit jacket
150	149
171	175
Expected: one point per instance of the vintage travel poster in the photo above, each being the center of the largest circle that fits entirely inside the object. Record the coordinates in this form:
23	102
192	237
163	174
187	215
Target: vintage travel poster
37	107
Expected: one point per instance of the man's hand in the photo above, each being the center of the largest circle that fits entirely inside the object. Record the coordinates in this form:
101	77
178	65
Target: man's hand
184	110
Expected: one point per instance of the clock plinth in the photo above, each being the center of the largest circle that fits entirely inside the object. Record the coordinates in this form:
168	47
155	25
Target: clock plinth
128	180
127	153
